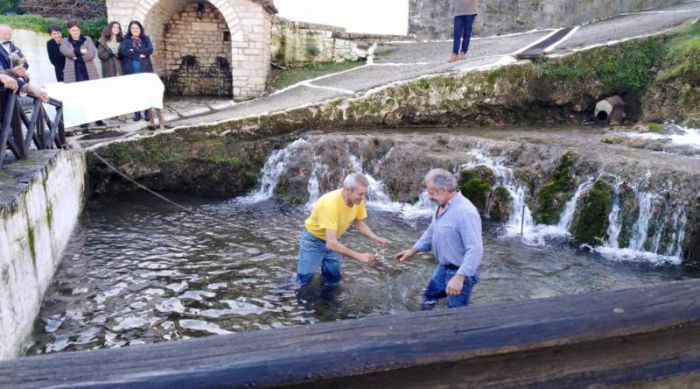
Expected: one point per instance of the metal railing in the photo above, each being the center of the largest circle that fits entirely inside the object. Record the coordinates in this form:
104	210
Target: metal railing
19	130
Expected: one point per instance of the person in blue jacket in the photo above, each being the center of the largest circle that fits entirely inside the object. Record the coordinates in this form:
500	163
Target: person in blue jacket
136	50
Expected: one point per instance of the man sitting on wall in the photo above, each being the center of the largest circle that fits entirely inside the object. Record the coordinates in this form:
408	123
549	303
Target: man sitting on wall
14	65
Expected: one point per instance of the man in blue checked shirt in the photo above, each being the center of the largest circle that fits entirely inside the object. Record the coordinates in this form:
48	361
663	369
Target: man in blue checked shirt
454	236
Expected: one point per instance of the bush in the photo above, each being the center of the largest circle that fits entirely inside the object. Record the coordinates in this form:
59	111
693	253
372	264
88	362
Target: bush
92	28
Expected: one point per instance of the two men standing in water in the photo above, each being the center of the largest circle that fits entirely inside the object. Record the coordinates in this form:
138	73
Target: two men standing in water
454	236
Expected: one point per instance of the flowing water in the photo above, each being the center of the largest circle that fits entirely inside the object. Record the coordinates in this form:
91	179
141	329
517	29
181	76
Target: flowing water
141	271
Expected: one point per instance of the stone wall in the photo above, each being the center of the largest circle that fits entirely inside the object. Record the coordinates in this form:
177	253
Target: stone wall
432	19
41	201
248	22
298	43
198	53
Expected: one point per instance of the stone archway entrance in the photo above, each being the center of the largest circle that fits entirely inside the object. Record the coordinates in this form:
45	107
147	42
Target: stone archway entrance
227	42
197	52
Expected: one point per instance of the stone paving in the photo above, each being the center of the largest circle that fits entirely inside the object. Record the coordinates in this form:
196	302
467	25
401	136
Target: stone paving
400	61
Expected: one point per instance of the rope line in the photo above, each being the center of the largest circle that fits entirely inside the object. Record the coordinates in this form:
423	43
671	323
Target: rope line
160	196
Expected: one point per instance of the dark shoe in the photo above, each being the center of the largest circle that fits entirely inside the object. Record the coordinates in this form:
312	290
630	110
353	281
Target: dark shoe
167	126
152	127
137	116
84	126
100	123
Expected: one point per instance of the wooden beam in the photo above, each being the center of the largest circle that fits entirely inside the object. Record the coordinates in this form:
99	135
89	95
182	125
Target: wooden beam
626	336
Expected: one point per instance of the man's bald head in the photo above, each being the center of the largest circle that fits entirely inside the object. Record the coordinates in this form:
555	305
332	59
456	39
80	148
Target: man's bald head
5	33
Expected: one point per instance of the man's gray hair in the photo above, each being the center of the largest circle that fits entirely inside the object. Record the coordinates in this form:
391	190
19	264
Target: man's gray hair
441	179
353	180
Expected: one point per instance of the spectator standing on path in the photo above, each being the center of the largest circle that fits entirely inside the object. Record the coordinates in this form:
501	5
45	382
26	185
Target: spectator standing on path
331	216
53	48
465	13
108	52
454	236
80	55
136	50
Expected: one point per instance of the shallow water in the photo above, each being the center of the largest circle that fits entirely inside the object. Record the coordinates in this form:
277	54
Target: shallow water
138	270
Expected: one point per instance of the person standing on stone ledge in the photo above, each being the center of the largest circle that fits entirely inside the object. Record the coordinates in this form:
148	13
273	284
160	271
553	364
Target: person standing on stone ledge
136	50
465	13
53	49
108	52
80	55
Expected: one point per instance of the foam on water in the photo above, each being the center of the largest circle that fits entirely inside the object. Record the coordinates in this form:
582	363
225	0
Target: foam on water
683	137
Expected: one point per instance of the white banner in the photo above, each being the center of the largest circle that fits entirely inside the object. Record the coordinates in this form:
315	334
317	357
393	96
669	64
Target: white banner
89	101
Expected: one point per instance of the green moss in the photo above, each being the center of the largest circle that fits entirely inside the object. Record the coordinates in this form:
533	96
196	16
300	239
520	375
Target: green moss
683	56
232	162
590	224
477	191
628	68
560	69
32	247
49	215
556	191
424	83
655	127
500	205
482	171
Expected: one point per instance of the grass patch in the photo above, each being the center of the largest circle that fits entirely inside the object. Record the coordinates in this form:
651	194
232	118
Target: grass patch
683	56
292	76
92	28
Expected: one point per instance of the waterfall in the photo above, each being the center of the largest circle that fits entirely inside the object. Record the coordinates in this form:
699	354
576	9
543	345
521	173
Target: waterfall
615	225
661	242
274	166
643	247
567	215
378	199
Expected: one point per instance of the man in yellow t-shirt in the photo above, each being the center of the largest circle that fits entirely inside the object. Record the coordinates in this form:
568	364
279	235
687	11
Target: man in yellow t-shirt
330	218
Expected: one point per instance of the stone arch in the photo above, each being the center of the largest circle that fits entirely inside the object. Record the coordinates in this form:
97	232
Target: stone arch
249	25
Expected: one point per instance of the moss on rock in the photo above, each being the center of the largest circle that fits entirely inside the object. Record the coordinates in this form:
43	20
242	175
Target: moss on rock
590	224
501	205
556	191
475	184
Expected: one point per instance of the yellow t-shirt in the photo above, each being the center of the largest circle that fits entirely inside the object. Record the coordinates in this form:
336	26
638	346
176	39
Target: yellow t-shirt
331	213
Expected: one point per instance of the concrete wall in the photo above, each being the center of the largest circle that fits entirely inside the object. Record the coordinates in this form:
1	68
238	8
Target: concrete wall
41	200
298	43
432	19
248	22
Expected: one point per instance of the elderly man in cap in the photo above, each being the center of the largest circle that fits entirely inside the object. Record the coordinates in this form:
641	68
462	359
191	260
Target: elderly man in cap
454	236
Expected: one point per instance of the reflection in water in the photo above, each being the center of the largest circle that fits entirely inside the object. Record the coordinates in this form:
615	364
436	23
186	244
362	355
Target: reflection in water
140	271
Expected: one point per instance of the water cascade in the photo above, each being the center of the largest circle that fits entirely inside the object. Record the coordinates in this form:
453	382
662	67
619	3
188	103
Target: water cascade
662	242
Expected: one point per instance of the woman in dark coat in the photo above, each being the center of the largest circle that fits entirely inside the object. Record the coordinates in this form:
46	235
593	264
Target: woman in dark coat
136	50
52	47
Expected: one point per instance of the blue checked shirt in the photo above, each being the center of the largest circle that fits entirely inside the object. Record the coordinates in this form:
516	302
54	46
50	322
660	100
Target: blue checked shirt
455	236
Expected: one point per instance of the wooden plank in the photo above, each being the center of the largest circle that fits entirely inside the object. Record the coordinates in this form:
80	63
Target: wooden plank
380	347
537	51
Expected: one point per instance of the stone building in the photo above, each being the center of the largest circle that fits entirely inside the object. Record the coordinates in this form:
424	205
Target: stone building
217	47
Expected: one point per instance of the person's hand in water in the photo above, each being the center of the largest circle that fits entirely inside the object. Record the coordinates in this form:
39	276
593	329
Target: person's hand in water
380	243
405	254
